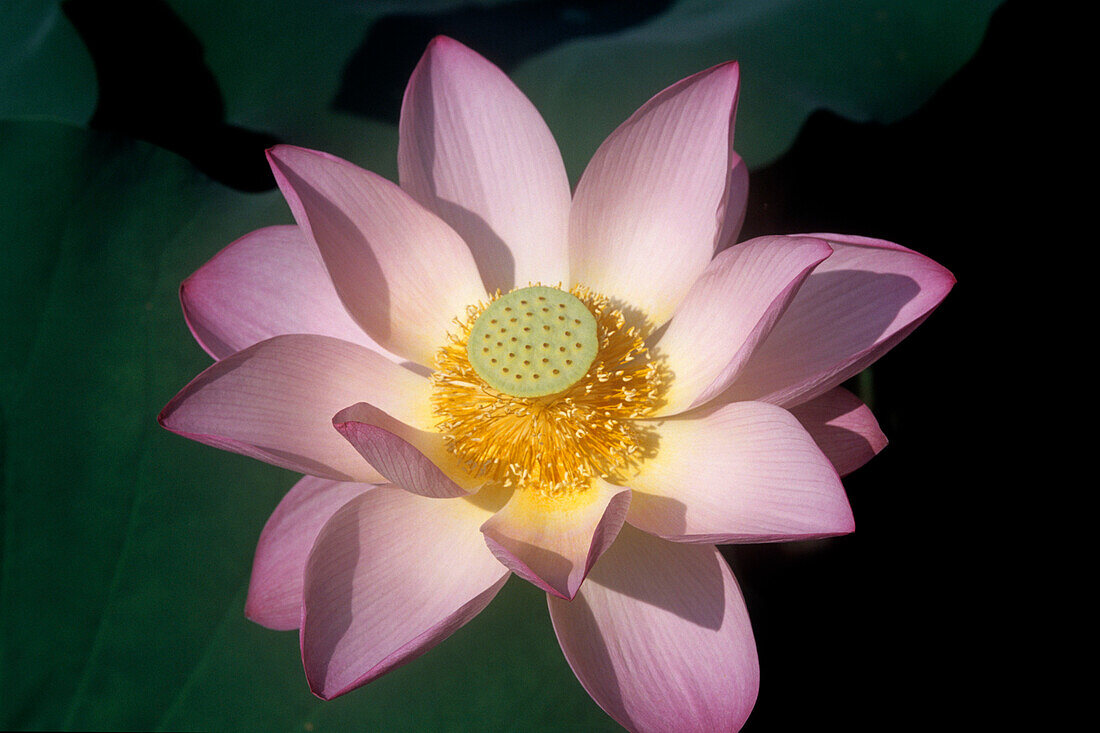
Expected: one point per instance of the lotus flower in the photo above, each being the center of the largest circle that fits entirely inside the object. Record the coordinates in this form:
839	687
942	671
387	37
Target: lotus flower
482	373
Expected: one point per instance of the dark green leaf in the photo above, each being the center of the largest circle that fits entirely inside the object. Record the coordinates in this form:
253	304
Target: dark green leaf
45	71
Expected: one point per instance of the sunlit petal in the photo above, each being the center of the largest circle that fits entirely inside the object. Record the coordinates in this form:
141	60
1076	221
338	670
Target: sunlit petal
400	271
391	575
475	151
660	638
648	211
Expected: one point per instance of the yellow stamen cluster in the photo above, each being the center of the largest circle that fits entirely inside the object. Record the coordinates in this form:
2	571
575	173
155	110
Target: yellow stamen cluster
556	443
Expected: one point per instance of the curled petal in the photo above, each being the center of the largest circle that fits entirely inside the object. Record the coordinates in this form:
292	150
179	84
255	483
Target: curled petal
391	575
275	400
729	311
400	271
843	427
267	283
553	542
275	588
415	460
660	638
744	472
474	150
868	296
648	211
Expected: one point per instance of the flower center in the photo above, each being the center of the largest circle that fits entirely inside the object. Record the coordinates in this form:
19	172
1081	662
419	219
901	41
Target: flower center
541	388
533	342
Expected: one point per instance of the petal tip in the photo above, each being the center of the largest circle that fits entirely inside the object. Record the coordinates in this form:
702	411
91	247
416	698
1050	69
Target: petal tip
165	415
731	71
284	152
318	689
443	42
446	50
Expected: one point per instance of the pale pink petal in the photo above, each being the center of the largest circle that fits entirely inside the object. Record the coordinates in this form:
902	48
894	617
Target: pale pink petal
736	204
855	306
554	542
416	460
391	575
648	211
728	312
660	638
843	427
743	472
275	589
275	400
401	272
474	150
267	283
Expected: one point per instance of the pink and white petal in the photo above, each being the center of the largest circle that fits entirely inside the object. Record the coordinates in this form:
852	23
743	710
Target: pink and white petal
401	272
416	460
729	311
474	150
868	296
275	400
660	637
736	204
278	569
647	213
843	427
553	542
267	283
743	472
391	575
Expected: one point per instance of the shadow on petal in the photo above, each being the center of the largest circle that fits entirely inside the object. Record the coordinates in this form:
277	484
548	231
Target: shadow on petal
857	449
843	427
350	264
672	511
494	259
875	299
598	654
840	322
549	563
645	571
337	595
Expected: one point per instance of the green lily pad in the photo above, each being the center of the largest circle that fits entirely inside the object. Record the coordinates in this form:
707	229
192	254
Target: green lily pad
45	71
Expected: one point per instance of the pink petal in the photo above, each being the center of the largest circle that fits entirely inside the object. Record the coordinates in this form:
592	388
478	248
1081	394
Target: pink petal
660	638
736	204
554	543
843	427
475	150
743	472
854	307
729	310
275	400
647	214
402	273
391	575
275	589
267	283
415	460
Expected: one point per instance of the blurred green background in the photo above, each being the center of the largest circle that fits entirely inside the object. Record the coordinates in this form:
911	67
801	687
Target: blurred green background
131	151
